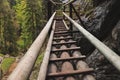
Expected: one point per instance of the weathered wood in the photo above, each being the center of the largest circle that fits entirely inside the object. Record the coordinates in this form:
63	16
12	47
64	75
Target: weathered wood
106	51
52	56
67	59
66	66
70	78
61	35
63	43
78	17
70	2
68	73
66	25
62	38
64	32
52	69
80	65
66	49
70	14
44	65
23	69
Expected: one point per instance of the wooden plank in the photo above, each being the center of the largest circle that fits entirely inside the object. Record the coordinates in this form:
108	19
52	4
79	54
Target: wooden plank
64	43
66	49
58	35
76	72
62	38
64	32
68	58
44	65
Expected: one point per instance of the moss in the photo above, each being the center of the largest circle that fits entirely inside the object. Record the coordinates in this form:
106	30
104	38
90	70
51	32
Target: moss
59	13
36	68
1	55
6	63
39	59
20	43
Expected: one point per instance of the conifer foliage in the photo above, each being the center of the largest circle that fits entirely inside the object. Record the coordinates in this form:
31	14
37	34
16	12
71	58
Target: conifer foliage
20	23
7	29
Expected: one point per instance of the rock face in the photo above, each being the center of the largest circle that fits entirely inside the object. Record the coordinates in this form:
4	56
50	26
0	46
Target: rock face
100	21
104	23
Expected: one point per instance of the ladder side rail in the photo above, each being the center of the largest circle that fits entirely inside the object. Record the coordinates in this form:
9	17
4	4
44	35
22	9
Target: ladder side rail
24	67
106	51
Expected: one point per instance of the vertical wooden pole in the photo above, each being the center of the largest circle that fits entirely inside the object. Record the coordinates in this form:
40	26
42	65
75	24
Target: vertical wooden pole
70	14
78	17
49	6
64	11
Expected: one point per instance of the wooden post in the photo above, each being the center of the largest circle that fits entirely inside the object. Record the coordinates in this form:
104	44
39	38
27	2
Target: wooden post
49	6
70	14
44	65
78	17
64	7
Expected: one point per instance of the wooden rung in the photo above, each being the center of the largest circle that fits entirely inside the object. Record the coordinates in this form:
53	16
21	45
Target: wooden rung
66	49
61	30
61	35
62	38
67	59
76	72
64	32
71	42
58	19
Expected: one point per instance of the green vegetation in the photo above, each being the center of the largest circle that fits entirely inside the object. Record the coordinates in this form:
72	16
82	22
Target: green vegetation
20	23
1	55
6	63
20	43
7	29
40	58
59	12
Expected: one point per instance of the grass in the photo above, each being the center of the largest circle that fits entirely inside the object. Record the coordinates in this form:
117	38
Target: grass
6	63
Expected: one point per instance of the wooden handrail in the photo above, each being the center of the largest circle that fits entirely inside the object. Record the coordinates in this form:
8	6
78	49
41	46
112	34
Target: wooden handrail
24	68
44	65
106	51
69	2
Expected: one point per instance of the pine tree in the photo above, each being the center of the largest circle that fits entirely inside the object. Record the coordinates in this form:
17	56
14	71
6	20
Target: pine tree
8	29
29	15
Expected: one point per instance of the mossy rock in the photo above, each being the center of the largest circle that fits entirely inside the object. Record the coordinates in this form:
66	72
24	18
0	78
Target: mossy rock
6	63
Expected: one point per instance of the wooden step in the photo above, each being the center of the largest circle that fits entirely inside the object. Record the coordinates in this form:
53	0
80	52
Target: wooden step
60	30
62	38
67	59
64	43
58	35
64	32
66	49
69	73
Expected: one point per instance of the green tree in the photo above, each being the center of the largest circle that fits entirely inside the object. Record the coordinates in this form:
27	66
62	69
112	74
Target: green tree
29	14
8	29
